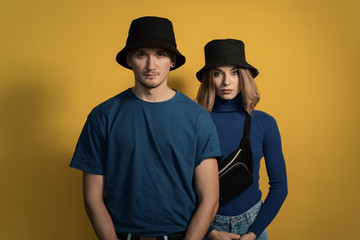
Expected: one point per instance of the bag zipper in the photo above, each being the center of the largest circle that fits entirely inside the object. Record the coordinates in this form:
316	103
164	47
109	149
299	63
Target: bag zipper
227	165
233	167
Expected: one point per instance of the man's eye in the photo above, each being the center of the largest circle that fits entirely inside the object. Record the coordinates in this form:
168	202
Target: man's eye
140	54
161	54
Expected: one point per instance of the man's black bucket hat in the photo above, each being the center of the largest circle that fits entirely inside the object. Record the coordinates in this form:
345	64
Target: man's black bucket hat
152	32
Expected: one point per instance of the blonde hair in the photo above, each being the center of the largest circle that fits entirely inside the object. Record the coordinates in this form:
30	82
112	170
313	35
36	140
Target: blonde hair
247	85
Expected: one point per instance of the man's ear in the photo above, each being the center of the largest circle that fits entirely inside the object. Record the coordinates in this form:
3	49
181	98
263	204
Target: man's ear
173	60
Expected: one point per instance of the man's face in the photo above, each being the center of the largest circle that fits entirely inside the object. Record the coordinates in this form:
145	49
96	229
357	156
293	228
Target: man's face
151	66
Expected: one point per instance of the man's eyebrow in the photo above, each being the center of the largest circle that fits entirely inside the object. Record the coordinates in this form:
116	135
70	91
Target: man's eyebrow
163	51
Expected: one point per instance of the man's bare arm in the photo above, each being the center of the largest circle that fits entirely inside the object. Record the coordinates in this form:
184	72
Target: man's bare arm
96	210
207	188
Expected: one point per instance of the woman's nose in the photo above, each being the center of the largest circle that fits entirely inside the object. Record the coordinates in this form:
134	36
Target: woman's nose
226	79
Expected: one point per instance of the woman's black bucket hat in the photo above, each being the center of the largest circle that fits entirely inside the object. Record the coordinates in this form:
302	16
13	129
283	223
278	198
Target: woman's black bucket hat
220	52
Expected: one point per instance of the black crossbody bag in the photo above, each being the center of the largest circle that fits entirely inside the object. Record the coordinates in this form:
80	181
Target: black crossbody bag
235	172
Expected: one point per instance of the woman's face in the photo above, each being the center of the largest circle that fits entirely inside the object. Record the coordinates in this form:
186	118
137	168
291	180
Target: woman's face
226	81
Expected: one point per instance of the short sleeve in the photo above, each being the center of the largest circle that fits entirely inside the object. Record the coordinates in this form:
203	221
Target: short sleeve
208	141
91	151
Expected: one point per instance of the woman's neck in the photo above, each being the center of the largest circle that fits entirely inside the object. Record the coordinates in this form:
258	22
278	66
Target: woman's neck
232	105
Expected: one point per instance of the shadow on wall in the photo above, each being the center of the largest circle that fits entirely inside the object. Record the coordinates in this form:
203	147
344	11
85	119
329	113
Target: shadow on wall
177	83
40	192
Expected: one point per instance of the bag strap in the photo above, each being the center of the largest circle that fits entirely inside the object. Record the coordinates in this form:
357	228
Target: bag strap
247	125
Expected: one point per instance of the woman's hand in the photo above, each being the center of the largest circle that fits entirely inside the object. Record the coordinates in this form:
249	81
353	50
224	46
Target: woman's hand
248	236
221	235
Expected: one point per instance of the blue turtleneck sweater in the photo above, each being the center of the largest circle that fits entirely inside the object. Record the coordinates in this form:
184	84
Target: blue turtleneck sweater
229	117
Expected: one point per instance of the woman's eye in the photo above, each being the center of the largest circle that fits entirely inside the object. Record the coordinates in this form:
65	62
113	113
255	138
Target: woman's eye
235	72
140	54
216	74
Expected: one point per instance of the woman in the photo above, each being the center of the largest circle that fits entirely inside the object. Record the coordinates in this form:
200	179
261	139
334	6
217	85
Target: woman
227	91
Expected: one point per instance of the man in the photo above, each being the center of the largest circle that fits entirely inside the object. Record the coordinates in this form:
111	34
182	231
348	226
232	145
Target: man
149	153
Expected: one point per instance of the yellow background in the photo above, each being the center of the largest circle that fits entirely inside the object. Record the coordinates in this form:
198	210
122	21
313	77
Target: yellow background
58	61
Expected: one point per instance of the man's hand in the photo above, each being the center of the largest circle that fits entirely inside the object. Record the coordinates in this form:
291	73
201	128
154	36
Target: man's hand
248	236
221	235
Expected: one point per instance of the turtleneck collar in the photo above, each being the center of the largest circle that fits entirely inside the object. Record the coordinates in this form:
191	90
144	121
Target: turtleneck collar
233	105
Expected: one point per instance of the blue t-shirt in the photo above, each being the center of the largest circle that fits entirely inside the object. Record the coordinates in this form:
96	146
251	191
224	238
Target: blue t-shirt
229	117
148	152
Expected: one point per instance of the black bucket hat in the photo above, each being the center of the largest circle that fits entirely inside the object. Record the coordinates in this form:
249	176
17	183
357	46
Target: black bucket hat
221	52
150	32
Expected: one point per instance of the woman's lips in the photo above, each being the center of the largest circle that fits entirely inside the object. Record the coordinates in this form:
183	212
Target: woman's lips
227	91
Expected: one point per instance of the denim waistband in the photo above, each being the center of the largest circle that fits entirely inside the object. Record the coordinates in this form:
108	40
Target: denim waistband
129	236
248	216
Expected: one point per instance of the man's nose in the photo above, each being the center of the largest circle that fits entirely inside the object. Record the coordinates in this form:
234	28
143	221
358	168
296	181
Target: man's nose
151	63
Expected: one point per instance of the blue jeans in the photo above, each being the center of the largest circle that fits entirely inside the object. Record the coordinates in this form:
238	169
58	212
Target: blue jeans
239	224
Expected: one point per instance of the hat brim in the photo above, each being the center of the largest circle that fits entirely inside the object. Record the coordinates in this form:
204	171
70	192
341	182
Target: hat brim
150	43
225	61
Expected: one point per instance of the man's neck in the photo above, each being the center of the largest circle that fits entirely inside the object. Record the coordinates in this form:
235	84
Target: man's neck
158	94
